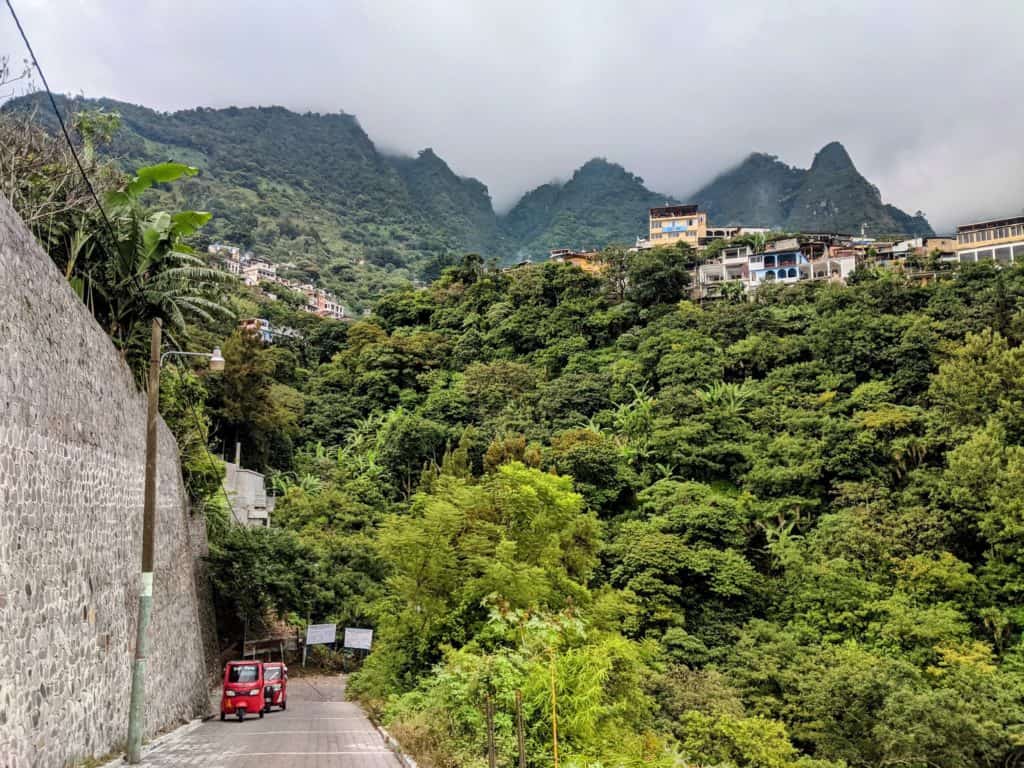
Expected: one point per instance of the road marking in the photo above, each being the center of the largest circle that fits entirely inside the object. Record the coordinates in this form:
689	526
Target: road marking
367	731
309	754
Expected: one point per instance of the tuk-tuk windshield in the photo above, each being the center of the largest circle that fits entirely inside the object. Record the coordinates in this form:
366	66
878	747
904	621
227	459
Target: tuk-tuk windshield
272	673
243	673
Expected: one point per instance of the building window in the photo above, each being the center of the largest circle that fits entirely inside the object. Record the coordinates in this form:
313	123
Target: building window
985	255
769	275
1018	253
1002	255
792	272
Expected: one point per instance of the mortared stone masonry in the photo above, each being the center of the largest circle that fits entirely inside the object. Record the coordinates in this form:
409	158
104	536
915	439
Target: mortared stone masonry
72	457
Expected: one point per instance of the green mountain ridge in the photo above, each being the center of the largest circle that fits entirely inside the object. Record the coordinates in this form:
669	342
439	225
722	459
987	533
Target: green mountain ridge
463	202
829	196
313	190
602	203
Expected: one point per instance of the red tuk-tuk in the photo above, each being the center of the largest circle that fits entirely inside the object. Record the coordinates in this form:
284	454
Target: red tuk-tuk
275	685
243	689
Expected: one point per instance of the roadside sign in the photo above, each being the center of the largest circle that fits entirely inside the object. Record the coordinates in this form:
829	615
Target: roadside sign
321	634
358	638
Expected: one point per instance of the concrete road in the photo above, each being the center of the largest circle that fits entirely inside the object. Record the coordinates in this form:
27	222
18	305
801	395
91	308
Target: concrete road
318	730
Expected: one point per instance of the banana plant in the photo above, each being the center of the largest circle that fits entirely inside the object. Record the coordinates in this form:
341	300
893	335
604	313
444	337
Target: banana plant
152	272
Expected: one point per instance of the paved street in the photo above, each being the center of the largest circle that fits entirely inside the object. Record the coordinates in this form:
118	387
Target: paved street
318	730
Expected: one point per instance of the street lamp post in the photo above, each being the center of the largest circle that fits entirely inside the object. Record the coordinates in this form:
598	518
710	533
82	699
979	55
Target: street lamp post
136	717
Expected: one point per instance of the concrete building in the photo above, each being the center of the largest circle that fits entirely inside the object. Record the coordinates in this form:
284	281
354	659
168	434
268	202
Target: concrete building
585	260
718	233
230	257
814	257
267	333
781	266
259	271
222	249
246	488
998	240
732	264
258	326
322	304
670	224
896	254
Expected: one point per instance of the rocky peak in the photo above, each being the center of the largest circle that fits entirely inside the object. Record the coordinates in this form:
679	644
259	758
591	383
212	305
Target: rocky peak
833	158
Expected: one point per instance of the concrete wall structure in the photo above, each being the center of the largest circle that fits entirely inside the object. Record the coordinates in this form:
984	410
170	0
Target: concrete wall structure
249	500
72	457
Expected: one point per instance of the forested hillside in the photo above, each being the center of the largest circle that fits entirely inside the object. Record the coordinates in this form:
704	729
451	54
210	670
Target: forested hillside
786	532
309	190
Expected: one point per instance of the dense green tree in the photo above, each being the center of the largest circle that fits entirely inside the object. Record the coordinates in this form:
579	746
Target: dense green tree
658	275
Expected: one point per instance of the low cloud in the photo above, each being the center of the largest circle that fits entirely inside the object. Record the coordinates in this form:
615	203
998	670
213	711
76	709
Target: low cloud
923	93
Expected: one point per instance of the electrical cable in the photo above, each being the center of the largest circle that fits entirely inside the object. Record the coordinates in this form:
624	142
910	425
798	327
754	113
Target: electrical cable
106	221
60	119
71	145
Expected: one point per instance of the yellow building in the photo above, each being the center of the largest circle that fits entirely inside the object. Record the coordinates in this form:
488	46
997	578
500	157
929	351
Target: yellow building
998	240
670	224
588	261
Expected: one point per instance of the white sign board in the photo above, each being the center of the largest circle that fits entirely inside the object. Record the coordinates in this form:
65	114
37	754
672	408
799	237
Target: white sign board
321	634
358	638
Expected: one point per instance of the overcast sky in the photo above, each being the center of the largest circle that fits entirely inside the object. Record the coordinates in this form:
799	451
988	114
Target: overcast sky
927	95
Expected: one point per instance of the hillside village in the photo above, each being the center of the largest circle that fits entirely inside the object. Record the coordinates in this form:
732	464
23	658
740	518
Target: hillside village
728	259
750	257
261	274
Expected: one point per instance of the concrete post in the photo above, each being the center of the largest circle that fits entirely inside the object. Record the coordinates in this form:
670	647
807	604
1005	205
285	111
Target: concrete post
136	710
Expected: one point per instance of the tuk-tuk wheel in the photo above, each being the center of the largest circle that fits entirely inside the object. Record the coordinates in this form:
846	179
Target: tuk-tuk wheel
241	715
261	714
222	716
284	705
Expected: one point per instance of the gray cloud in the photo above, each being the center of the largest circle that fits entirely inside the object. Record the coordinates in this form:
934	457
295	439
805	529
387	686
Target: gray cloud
925	94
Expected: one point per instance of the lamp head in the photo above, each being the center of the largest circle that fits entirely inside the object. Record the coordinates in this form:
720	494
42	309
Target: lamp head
216	360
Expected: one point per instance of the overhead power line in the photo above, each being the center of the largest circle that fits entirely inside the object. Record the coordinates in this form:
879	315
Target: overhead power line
106	220
63	126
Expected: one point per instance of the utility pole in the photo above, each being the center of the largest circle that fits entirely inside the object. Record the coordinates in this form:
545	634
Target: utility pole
136	711
520	729
489	712
554	711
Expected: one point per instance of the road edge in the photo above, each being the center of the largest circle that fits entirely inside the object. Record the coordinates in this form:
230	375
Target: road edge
158	742
393	745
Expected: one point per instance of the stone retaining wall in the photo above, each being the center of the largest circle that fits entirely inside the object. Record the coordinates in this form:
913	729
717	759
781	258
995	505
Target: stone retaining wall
72	458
